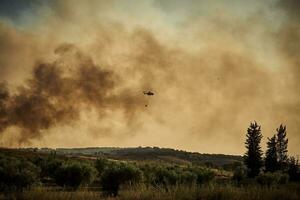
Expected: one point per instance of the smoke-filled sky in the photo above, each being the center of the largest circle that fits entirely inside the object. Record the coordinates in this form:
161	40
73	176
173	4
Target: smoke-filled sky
72	73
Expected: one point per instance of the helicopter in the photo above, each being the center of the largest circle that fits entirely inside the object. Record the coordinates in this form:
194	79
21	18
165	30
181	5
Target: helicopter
149	93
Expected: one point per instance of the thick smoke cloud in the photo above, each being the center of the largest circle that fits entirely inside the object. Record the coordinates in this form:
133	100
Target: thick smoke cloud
288	43
57	91
74	75
289	34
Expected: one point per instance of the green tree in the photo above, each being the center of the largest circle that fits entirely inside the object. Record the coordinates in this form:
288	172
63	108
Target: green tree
204	176
164	176
48	166
271	163
75	174
17	174
282	144
101	164
119	174
253	155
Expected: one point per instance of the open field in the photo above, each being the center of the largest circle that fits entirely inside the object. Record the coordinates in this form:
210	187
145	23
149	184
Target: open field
211	192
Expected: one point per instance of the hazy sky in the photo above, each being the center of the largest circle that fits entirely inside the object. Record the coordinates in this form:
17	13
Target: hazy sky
72	73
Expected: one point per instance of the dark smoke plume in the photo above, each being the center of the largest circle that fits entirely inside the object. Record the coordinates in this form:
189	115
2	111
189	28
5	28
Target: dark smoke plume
58	90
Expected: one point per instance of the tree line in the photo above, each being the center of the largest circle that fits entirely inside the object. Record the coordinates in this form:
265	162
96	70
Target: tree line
17	174
276	157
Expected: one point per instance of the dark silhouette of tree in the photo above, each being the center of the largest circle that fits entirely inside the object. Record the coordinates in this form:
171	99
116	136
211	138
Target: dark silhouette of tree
75	174
282	144
271	163
253	155
101	164
117	175
294	169
17	174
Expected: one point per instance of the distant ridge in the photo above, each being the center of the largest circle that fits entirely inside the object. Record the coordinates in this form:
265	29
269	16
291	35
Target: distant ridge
156	154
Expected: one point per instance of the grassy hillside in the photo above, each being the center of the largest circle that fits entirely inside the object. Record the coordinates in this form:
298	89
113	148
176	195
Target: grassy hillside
147	154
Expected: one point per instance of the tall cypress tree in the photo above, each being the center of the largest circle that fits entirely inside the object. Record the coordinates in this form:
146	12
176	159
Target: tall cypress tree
271	163
253	155
282	144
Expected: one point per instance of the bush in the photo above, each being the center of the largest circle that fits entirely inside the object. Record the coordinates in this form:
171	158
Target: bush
75	174
118	174
168	176
282	177
270	179
164	176
232	166
240	174
266	179
204	175
49	167
188	178
17	174
101	164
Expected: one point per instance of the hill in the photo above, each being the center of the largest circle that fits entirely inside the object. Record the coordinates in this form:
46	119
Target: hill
143	154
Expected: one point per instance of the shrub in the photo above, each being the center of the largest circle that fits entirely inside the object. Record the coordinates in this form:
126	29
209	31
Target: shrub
101	164
17	174
240	174
118	174
232	166
164	176
188	178
283	178
172	175
204	175
75	174
270	179
267	179
49	167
